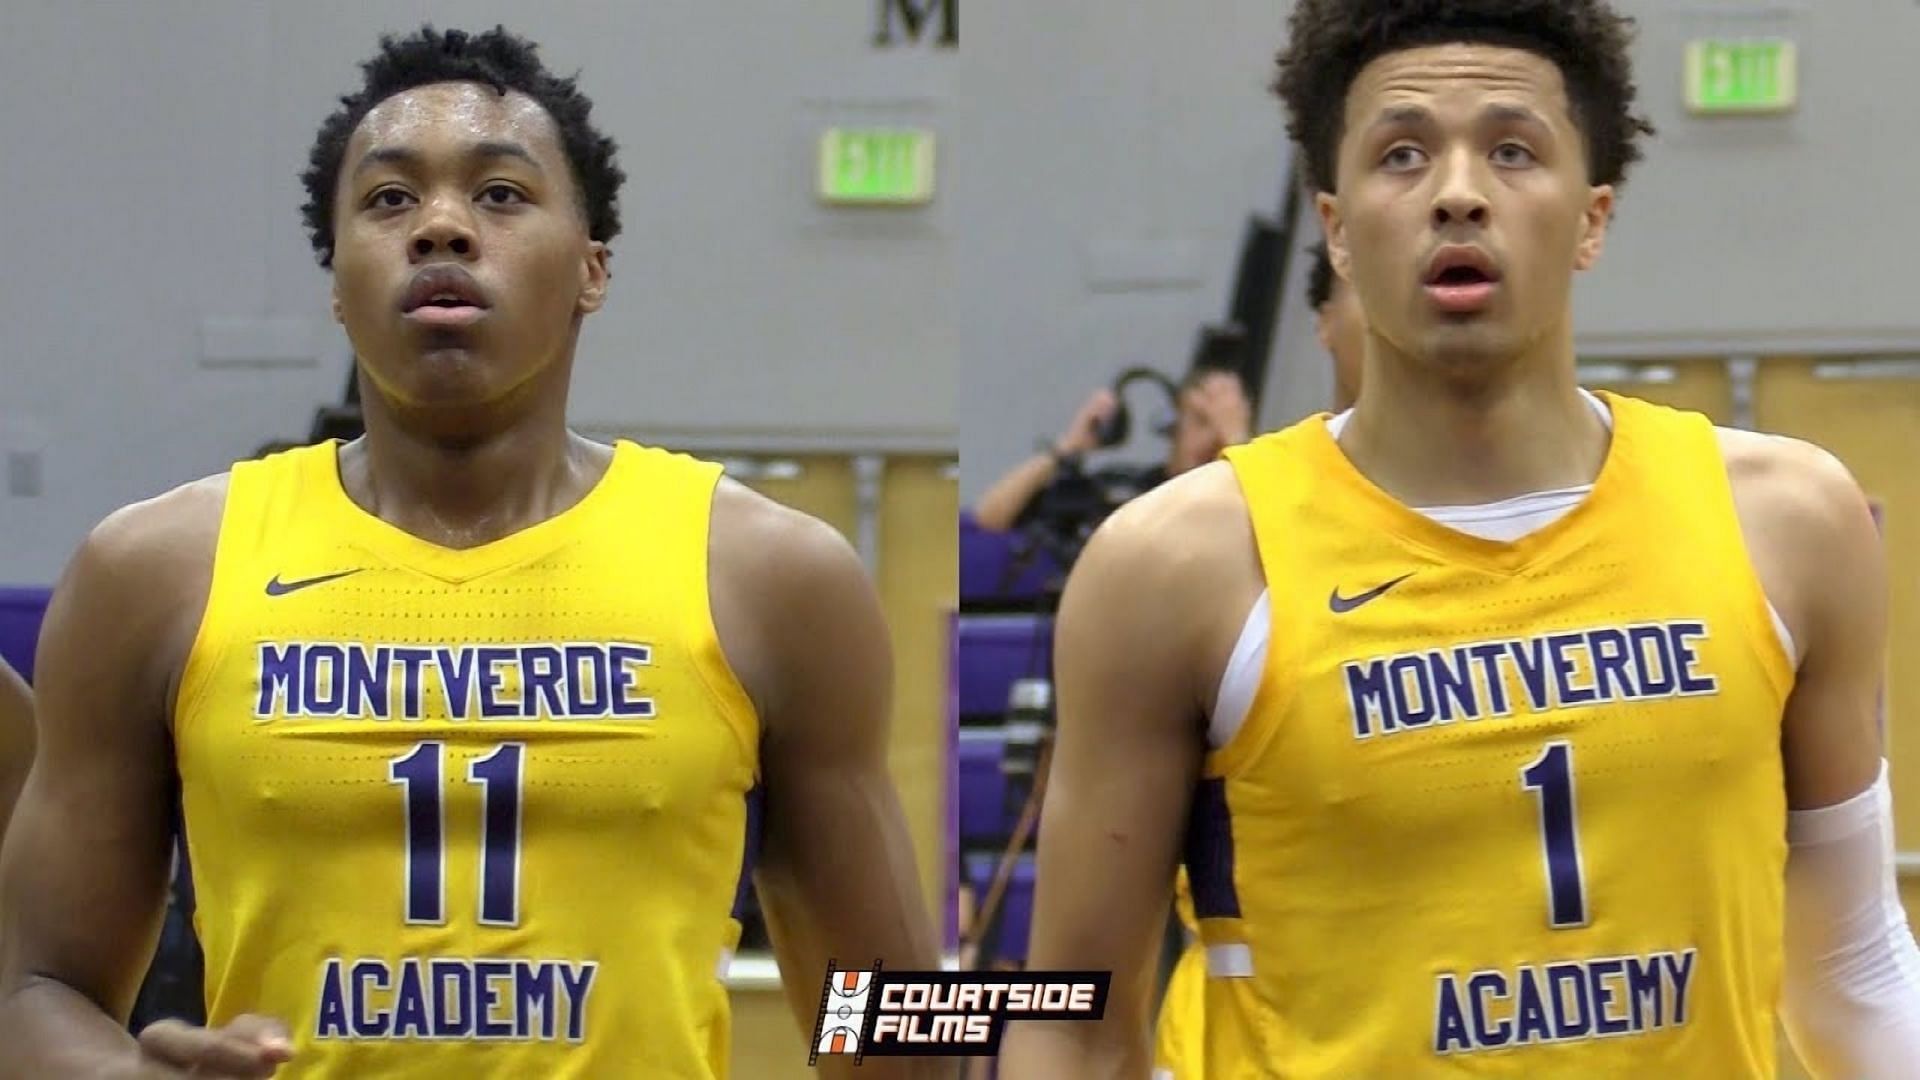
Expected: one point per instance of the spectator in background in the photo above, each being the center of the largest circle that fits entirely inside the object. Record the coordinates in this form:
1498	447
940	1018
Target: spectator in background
1214	414
1338	321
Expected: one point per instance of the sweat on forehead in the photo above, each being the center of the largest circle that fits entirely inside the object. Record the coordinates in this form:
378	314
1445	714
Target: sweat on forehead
1461	72
459	112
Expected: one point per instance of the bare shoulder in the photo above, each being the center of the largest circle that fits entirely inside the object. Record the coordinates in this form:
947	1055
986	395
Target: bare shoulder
1188	531
156	554
1808	531
126	610
773	546
1165	584
780	582
1790	487
164	529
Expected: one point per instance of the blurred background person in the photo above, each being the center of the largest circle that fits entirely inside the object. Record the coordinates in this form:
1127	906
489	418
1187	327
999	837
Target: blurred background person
1214	414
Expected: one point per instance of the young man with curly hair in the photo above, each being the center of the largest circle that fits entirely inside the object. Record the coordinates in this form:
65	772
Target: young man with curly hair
469	719
1511	730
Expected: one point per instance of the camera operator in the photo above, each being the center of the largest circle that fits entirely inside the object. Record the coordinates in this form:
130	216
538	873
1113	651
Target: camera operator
1214	414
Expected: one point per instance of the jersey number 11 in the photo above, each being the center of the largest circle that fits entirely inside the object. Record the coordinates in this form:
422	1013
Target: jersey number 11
499	774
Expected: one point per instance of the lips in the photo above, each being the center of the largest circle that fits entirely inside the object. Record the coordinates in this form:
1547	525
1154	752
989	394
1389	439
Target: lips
444	295
1461	279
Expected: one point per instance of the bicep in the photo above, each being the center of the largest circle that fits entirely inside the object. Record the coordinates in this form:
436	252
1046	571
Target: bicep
838	859
1831	735
83	875
1126	754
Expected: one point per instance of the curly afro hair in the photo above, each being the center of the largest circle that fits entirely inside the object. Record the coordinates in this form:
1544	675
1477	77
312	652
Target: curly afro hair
1320	277
496	58
1330	41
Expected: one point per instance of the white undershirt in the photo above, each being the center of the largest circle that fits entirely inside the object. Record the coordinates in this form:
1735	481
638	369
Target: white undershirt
1505	521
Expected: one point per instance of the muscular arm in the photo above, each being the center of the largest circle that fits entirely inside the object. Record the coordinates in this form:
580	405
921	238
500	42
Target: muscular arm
1137	652
16	739
837	877
84	881
1851	1000
1824	566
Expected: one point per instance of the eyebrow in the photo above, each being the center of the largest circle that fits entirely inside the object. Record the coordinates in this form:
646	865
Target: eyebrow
406	155
1402	116
1513	114
1415	116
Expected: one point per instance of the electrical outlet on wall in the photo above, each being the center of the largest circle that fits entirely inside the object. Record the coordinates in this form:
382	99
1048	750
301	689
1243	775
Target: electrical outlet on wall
23	473
23	451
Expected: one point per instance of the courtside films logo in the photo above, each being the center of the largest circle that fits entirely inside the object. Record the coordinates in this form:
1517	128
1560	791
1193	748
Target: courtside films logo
944	1013
843	1013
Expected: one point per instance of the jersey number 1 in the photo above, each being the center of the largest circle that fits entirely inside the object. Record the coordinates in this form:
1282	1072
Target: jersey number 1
426	880
1550	776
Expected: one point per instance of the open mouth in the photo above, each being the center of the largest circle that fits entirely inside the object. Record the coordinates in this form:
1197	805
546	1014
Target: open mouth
1461	275
1462	280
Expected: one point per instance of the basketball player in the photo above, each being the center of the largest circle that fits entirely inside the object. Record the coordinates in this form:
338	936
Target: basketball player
1179	1044
16	739
1495	706
468	717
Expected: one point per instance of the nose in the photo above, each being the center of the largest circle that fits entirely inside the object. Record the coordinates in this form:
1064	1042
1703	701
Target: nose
444	226
1460	197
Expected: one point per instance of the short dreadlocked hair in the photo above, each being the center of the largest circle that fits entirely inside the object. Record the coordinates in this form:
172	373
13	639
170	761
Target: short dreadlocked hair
1319	277
496	58
1330	41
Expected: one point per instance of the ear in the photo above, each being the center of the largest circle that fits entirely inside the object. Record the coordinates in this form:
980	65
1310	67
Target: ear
594	276
1593	230
339	314
1334	228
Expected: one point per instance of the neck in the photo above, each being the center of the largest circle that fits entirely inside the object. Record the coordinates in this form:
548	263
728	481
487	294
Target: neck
465	481
1429	437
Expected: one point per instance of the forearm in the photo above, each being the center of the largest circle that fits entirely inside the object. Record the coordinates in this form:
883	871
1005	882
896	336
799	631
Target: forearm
1851	1000
1003	503
1117	1046
51	1029
856	904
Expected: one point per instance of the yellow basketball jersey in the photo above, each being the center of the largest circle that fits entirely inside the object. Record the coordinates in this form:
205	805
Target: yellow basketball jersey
478	813
1179	1033
1500	809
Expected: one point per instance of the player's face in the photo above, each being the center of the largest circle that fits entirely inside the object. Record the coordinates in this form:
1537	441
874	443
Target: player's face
1463	205
1343	332
462	265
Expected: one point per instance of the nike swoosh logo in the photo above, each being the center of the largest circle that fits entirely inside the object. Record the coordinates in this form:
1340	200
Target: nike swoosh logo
276	587
1340	605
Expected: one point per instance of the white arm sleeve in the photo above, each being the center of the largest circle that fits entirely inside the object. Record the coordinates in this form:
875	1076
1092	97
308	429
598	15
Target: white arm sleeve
1851	999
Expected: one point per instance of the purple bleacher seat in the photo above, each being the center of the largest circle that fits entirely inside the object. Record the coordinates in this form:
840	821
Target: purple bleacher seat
996	650
983	786
991	570
1016	908
21	610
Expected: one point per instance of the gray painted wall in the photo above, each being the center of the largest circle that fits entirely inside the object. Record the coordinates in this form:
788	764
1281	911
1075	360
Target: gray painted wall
1141	129
150	172
1120	147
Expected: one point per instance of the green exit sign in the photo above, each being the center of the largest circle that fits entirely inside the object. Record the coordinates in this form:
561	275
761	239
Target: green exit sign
876	166
1746	76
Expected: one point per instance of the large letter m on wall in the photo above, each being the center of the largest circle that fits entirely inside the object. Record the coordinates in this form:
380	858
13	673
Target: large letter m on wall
915	15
